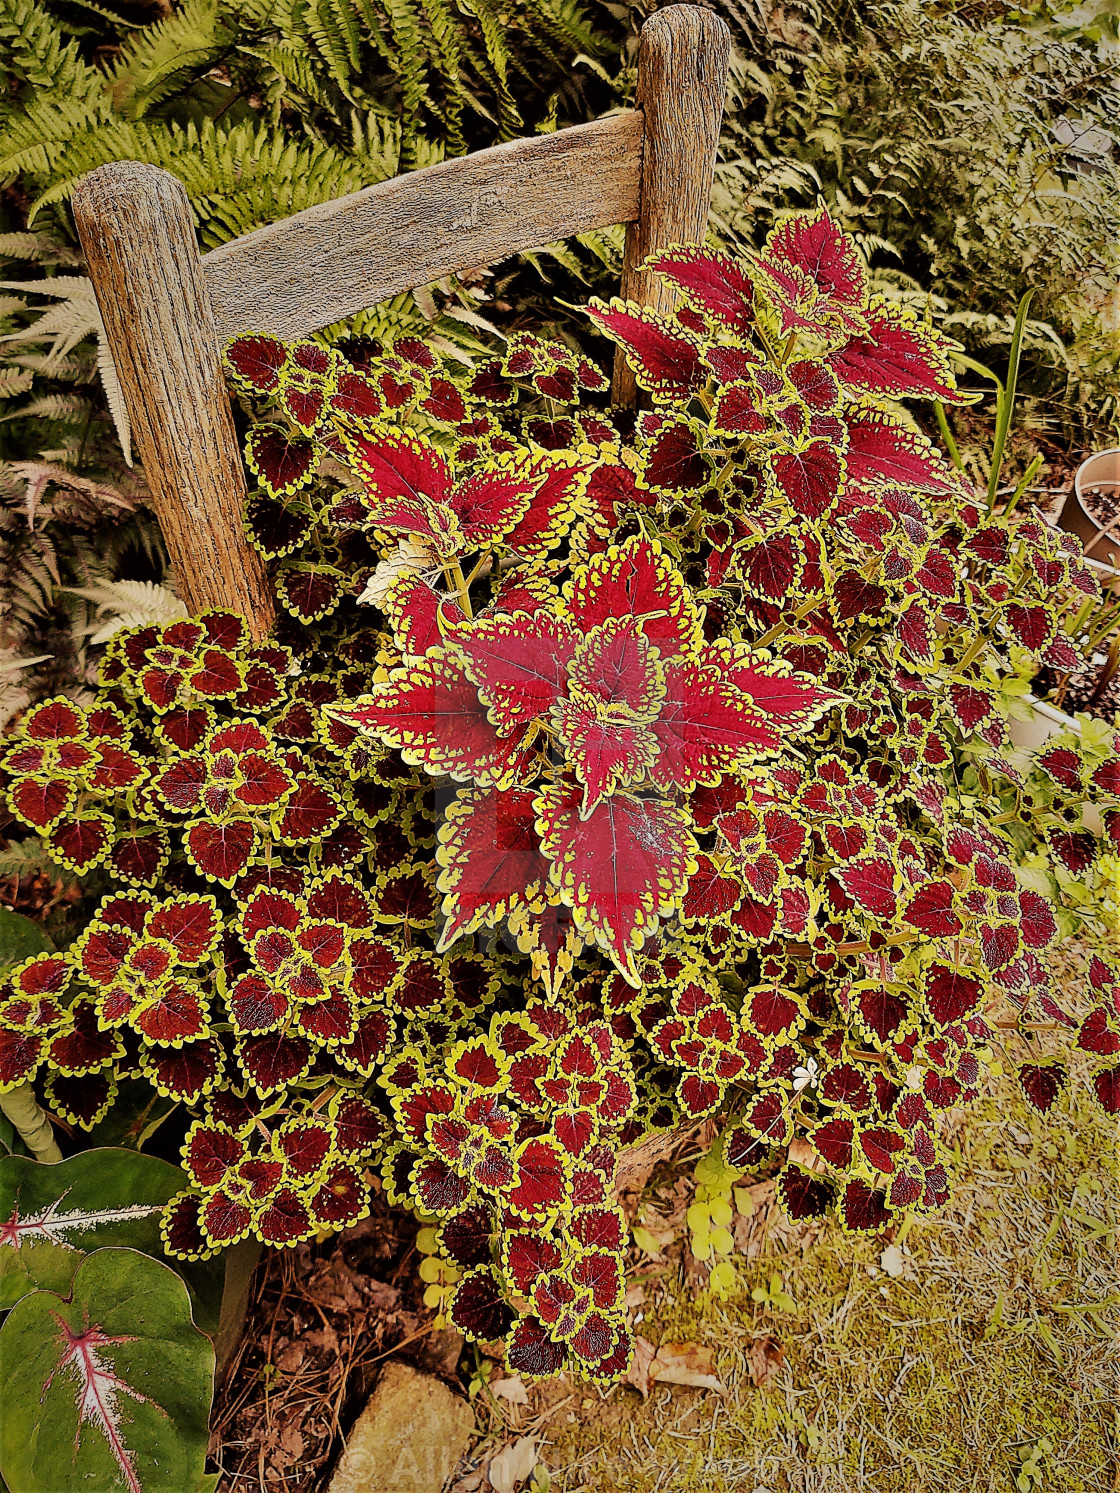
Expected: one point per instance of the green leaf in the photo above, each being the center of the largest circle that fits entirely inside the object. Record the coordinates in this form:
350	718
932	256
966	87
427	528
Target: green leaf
20	937
53	1216
110	1389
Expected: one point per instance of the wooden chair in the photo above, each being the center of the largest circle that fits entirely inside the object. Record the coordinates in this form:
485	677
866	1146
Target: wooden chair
169	311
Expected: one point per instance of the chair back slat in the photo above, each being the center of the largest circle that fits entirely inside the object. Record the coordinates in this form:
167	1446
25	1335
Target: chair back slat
337	258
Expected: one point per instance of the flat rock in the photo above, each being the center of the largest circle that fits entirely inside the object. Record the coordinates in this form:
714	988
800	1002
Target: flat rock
407	1439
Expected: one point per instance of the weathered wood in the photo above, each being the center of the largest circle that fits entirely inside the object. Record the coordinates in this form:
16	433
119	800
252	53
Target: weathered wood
337	258
137	231
682	78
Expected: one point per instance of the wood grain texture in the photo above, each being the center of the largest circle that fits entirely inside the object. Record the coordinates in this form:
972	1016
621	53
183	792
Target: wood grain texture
340	257
137	231
682	79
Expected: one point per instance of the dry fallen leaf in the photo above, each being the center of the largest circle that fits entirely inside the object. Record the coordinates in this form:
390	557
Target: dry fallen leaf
511	1389
673	1363
897	1263
513	1464
764	1359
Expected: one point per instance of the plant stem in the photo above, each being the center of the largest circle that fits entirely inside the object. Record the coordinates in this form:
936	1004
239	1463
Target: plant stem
21	1107
947	435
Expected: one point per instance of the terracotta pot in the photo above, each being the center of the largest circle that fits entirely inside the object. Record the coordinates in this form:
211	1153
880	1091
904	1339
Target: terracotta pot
1032	735
1102	543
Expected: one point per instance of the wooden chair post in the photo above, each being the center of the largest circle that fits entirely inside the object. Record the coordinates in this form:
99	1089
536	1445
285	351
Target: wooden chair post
137	230
682	78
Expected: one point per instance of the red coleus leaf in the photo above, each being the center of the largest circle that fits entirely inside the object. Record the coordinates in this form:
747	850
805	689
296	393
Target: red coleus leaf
1042	1083
882	1011
310	813
1106	1088
899	356
803	1195
309	592
520	663
863	1208
531	1352
285	1220
341	1199
871	882
40	804
478	1308
674	462
175	1015
770	567
275	1060
256	362
493	501
834	1141
561	480
491	858
712	283
1038	927
407	486
950	995
930	910
605	754
665	360
636	579
20	1056
619	870
772	1011
855	597
221	851
82	842
84	1047
809	480
420	616
184	1073
210	1153
811	270
224	1219
884	453
1077	849
711	896
282	463
1096	1034
1106	778
707	725
1033	626
432	714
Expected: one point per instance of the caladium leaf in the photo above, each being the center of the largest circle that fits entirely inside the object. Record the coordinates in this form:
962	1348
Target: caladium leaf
51	1216
117	1379
620	870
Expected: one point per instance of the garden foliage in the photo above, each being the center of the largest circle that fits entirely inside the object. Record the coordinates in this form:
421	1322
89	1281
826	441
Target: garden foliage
604	774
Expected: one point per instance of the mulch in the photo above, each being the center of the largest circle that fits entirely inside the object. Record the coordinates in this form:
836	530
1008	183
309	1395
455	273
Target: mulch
322	1317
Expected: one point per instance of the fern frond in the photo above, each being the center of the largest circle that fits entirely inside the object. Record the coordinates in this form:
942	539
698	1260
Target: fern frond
122	604
158	59
33	52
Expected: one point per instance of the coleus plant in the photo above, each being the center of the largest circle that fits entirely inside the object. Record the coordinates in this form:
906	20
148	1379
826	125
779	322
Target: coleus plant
605	773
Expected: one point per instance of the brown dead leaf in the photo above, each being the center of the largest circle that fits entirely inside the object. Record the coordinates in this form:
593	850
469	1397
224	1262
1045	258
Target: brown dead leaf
689	1364
764	1359
513	1464
291	1441
511	1389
